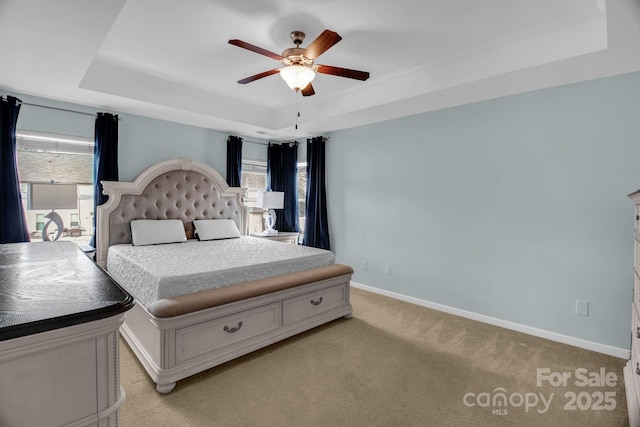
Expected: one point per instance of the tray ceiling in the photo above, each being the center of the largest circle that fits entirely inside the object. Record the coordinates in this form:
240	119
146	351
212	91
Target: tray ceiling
171	60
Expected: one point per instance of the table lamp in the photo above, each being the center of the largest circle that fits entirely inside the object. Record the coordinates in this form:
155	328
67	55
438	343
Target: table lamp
268	201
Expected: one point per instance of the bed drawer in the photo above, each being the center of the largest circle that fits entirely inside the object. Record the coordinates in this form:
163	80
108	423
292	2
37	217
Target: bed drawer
194	340
313	303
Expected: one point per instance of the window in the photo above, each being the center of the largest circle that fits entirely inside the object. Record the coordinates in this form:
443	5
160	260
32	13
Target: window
254	178
45	158
302	196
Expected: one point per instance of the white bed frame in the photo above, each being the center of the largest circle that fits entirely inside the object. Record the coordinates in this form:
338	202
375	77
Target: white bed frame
174	348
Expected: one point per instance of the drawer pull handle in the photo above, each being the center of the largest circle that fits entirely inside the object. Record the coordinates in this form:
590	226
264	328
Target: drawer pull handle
318	302
638	333
232	330
638	368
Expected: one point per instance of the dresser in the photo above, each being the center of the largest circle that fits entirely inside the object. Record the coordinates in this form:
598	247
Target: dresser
632	369
59	335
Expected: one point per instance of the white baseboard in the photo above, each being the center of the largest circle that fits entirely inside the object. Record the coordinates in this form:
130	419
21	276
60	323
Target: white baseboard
622	353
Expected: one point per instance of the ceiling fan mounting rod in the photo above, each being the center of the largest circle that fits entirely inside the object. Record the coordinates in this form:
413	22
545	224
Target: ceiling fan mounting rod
297	37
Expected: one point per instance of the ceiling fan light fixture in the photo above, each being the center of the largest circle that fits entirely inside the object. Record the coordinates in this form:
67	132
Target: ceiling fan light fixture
299	69
297	77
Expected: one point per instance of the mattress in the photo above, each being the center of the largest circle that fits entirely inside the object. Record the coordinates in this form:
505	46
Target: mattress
151	273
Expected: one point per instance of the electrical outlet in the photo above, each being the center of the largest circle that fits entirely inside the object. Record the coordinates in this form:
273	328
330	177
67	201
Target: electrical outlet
582	307
363	265
387	270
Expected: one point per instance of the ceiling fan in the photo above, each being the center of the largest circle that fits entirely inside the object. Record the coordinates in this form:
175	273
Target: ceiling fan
299	69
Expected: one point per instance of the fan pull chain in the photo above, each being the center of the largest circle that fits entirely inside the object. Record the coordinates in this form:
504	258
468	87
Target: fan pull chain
297	108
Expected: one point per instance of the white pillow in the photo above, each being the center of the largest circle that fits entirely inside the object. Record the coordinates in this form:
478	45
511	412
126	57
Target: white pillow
212	229
157	231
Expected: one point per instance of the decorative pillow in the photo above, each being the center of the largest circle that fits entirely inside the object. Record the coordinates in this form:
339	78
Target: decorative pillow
157	231
212	229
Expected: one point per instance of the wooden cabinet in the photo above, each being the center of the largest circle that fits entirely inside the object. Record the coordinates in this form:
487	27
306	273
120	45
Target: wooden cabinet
632	369
59	320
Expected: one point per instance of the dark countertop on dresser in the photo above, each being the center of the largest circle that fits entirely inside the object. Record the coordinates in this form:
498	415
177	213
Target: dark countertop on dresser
52	285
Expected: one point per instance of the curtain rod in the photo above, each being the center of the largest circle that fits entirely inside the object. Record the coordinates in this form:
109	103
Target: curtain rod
273	142
254	142
268	142
59	109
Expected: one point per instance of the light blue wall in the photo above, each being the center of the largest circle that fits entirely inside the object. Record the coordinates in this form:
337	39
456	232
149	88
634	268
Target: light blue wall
54	121
254	151
512	208
144	142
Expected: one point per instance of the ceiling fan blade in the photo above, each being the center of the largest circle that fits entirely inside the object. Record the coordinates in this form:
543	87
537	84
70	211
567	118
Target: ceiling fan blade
255	49
258	76
321	44
343	72
308	90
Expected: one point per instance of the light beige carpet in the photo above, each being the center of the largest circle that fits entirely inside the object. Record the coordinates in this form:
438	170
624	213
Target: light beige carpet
393	364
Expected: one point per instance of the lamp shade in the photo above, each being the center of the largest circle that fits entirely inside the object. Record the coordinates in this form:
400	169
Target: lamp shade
297	76
52	196
271	200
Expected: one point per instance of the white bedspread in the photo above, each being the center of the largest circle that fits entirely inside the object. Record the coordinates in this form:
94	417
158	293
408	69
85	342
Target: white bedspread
151	273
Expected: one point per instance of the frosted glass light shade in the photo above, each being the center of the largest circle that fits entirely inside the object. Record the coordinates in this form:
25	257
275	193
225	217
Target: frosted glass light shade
297	77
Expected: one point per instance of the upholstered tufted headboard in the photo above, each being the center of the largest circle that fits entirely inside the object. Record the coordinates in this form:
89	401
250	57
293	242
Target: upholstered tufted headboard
174	189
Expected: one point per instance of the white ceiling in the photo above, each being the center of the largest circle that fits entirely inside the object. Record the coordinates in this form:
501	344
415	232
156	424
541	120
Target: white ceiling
170	59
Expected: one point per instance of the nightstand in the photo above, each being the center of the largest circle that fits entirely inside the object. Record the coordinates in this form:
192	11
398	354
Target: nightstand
283	236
